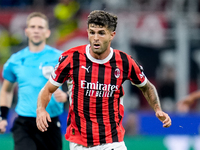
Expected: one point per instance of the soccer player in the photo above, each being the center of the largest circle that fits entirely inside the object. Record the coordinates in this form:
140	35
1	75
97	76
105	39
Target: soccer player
30	68
97	72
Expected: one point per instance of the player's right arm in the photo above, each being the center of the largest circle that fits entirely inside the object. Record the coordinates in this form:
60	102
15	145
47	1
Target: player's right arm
43	100
6	97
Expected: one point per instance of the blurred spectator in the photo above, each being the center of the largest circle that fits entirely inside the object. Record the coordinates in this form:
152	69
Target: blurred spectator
4	45
66	13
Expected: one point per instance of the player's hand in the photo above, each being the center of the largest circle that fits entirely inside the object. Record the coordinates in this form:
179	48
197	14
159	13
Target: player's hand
60	96
164	118
3	124
184	105
42	118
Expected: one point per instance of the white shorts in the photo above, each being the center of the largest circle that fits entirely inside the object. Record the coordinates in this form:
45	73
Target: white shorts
108	146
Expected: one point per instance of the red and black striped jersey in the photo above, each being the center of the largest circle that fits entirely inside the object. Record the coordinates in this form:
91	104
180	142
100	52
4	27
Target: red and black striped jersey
96	109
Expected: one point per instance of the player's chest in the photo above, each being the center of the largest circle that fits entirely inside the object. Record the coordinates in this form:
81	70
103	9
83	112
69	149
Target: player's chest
29	69
98	73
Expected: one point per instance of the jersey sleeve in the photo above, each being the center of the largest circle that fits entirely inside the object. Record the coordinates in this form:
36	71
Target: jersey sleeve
61	71
137	75
7	72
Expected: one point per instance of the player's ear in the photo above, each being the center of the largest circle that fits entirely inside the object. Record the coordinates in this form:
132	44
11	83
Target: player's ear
112	35
48	33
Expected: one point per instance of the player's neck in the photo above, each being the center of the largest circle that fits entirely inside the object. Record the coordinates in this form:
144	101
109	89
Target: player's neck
101	56
36	48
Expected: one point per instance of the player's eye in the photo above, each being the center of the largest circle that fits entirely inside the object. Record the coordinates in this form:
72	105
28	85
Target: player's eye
92	32
102	33
40	27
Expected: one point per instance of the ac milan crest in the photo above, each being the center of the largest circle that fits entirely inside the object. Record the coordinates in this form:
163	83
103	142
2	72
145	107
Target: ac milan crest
117	73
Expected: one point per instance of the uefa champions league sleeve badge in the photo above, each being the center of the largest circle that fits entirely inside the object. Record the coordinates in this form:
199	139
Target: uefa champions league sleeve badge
46	71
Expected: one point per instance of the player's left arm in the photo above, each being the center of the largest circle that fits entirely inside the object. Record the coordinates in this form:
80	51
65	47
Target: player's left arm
150	93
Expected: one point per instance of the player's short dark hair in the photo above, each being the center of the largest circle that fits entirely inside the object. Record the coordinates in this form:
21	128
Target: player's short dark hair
37	14
103	18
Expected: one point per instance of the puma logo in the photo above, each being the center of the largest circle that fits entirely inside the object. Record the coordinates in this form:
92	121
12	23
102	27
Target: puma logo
87	69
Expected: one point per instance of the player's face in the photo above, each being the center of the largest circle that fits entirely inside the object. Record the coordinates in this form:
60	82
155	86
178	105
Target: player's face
100	38
37	30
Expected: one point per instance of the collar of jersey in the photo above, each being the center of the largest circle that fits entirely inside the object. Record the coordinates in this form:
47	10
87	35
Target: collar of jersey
98	60
38	52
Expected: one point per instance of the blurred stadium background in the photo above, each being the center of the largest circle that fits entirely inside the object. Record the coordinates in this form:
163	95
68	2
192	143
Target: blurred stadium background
162	35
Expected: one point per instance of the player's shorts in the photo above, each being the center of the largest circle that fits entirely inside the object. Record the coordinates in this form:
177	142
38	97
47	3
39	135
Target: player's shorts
107	146
27	136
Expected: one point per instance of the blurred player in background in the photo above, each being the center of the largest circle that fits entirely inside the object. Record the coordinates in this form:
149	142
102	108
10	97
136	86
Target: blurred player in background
184	104
96	101
30	68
